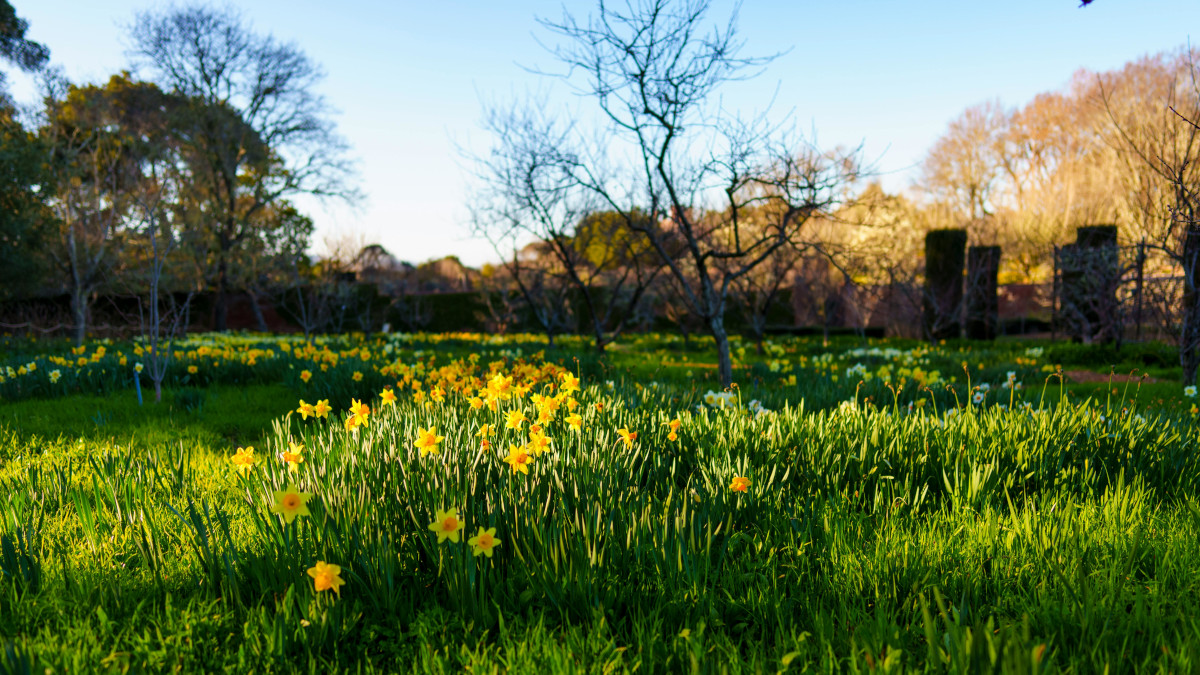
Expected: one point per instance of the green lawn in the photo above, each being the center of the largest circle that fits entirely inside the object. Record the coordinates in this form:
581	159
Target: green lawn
1061	538
218	417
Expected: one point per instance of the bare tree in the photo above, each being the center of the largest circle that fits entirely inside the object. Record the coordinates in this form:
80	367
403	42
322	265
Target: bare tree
155	187
500	300
757	291
318	295
306	298
654	68
1023	179
162	318
667	296
1157	125
539	281
530	192
965	165
267	259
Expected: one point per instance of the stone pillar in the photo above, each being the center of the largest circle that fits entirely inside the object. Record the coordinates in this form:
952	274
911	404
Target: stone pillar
1090	270
945	251
983	305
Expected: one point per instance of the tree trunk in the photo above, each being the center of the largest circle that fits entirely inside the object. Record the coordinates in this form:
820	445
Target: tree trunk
221	306
724	362
259	320
157	366
79	311
597	328
1189	341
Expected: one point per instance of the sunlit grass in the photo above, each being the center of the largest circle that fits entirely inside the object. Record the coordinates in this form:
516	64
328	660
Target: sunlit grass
1059	537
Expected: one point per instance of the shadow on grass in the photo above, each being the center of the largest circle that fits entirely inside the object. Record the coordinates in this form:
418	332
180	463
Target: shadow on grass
217	416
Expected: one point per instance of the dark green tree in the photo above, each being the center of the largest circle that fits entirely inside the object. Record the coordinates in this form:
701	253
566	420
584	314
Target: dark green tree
15	48
94	137
23	213
22	170
259	132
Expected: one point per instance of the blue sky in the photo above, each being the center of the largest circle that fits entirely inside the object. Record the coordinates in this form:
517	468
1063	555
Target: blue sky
408	77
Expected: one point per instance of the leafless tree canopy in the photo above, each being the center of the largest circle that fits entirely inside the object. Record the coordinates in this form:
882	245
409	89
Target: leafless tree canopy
531	203
669	149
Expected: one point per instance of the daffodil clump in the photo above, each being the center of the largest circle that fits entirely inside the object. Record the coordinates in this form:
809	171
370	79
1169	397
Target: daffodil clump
409	444
530	410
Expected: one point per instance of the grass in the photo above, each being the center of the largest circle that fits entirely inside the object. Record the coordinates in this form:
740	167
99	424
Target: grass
871	538
216	418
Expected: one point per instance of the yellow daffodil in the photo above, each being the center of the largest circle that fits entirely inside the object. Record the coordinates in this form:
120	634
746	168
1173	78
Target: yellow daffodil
243	459
500	386
447	525
326	577
293	457
628	436
538	443
519	459
388	396
484	542
322	408
291	503
427	440
514	419
359	411
575	421
739	484
305	409
305	376
570	383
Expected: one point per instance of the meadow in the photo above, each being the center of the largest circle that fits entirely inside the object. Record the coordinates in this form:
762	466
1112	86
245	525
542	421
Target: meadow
441	503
